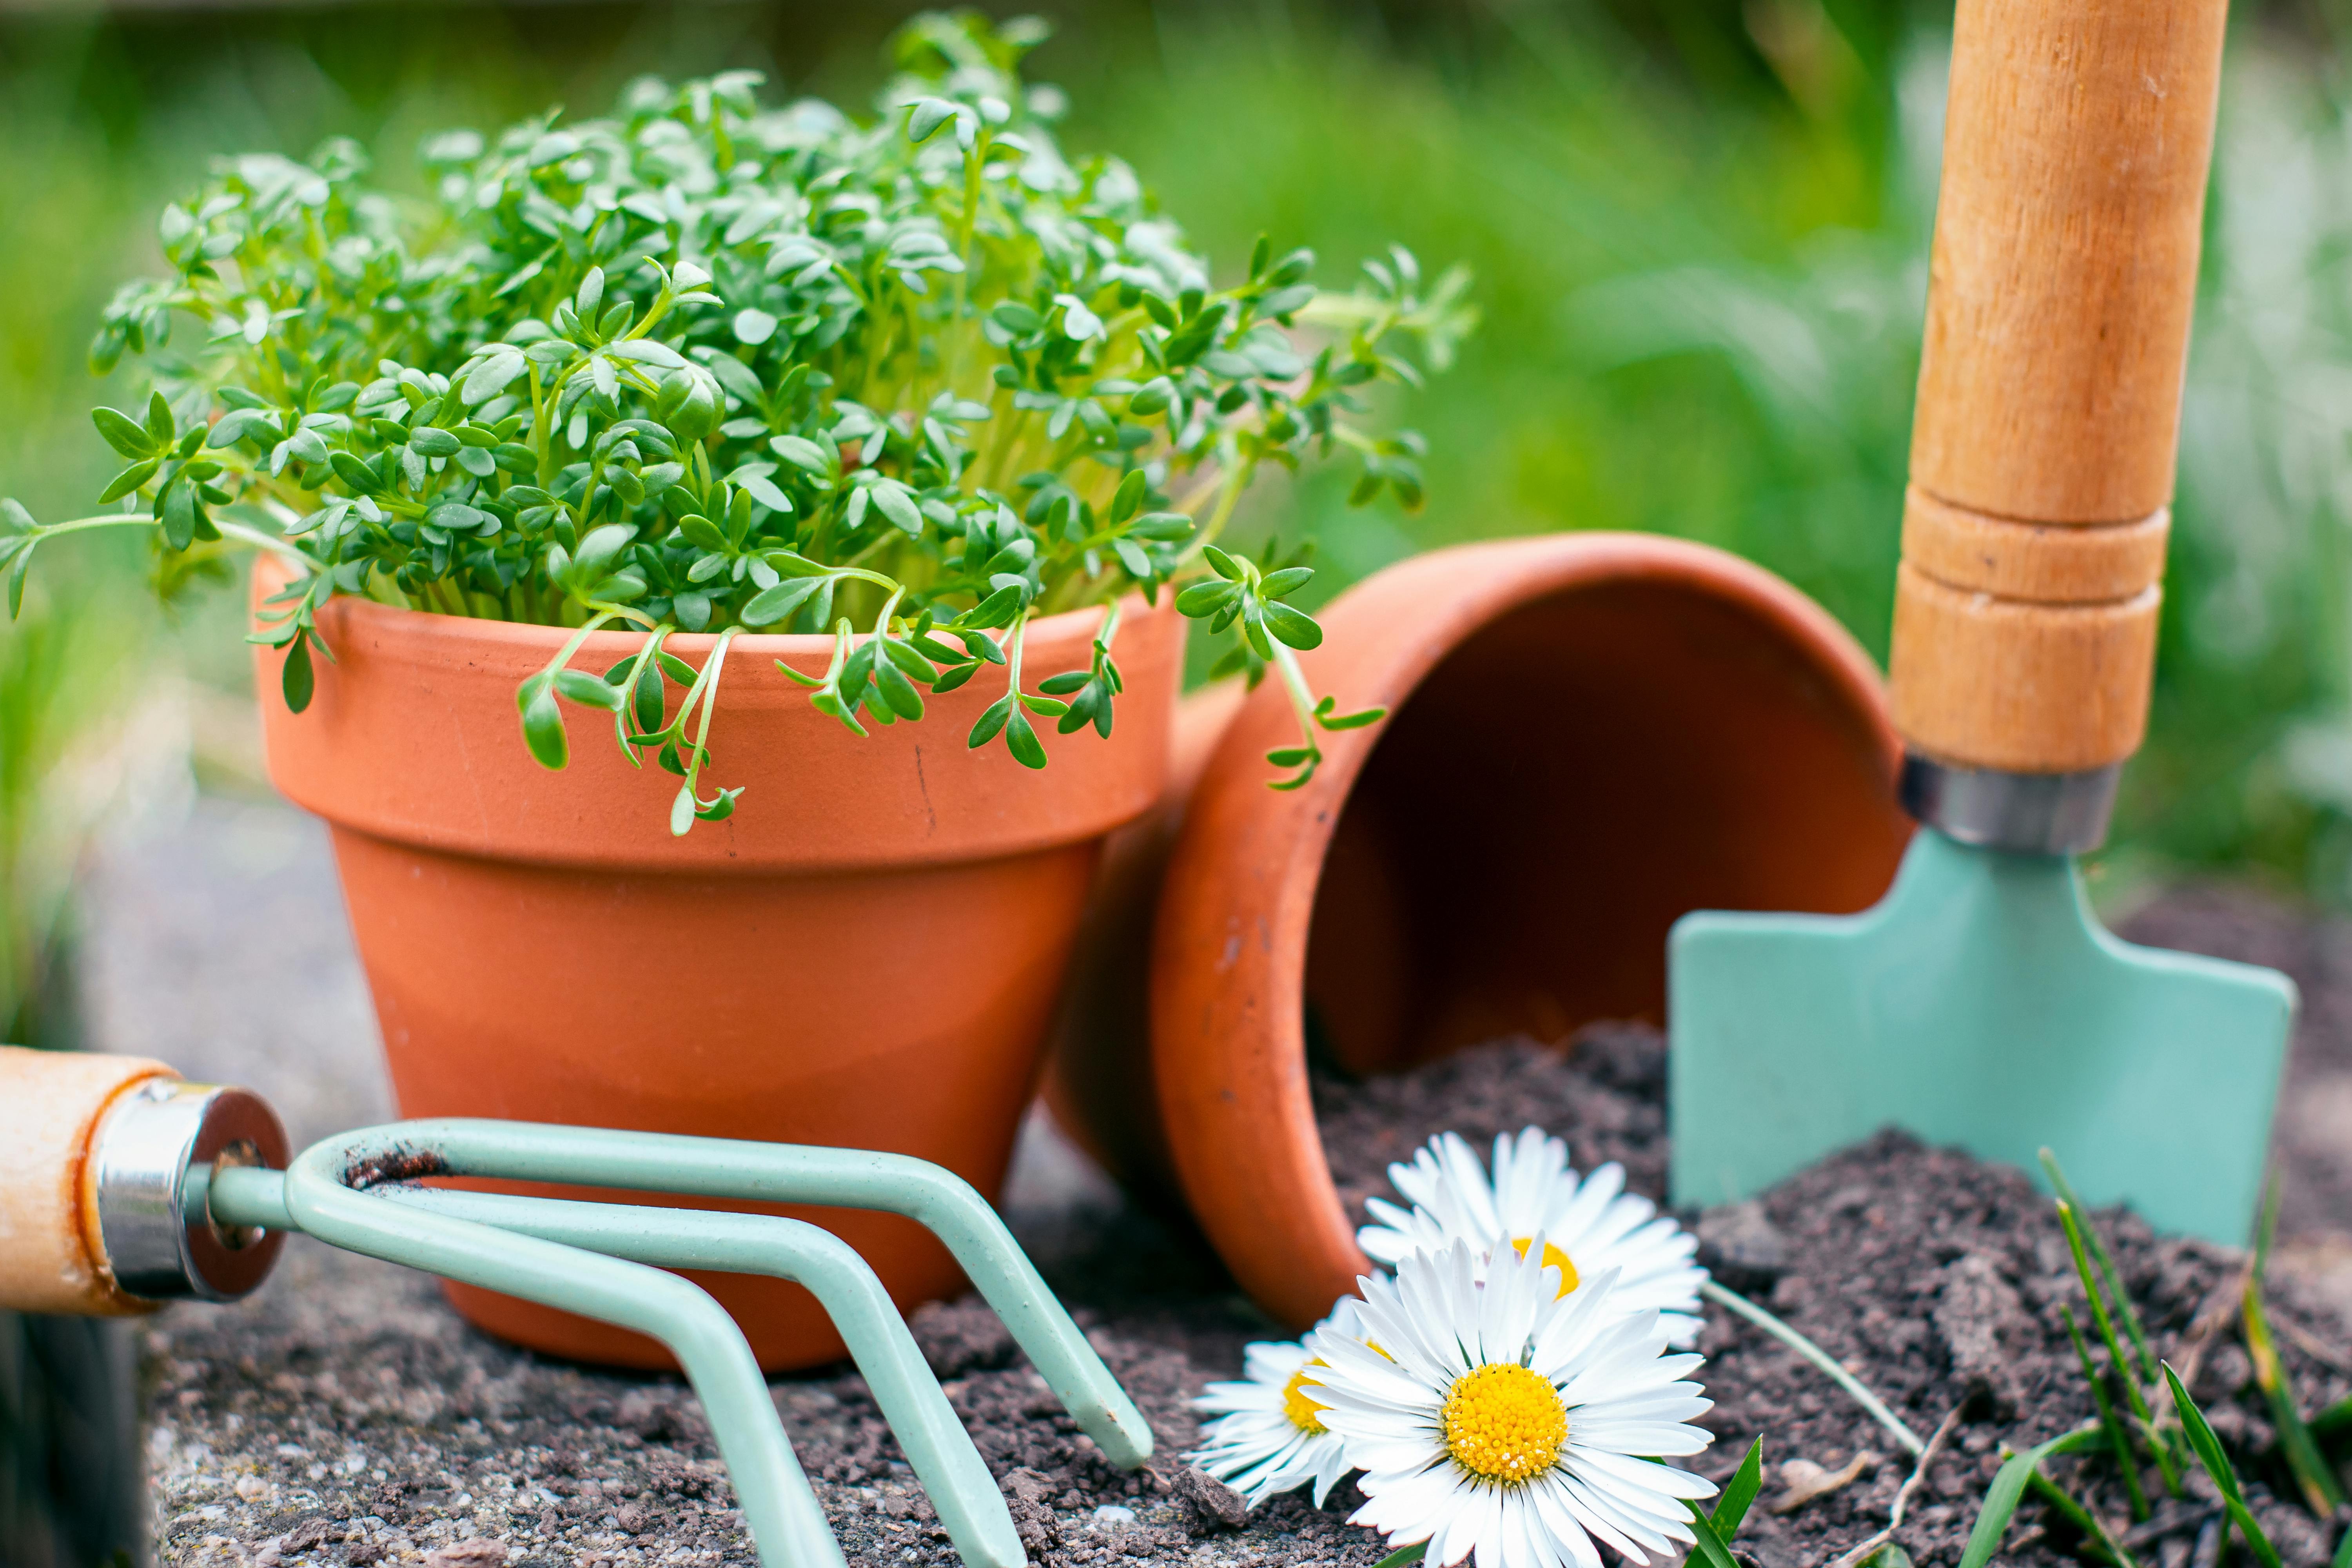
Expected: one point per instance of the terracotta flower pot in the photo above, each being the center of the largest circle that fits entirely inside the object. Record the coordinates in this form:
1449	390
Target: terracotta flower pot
1589	735
866	954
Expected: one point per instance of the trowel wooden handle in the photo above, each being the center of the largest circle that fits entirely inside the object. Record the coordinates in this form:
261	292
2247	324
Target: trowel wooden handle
51	1103
2076	143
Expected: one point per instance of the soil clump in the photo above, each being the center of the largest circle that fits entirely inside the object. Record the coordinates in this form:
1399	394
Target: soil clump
1936	1279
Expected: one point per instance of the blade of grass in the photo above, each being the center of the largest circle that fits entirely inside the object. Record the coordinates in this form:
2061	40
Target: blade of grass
2069	1221
1404	1554
2207	1448
2008	1487
1739	1491
2081	1518
2334	1422
2143	1367
2321	1492
2120	1441
1707	1544
1820	1358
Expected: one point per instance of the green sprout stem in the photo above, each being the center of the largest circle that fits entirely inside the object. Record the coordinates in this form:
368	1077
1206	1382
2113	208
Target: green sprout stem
1821	1359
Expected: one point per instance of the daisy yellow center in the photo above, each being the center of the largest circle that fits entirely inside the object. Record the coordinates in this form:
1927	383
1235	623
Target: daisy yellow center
1553	1258
1505	1423
1305	1412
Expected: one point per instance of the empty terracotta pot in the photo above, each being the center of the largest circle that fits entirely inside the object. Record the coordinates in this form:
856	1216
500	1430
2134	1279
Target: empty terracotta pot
865	955
1589	735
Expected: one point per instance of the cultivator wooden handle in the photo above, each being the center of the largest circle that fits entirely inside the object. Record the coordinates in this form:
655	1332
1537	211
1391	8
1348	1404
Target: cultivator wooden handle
2076	143
94	1156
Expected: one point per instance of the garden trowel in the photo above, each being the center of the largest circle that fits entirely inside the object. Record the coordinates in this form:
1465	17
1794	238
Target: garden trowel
1981	1003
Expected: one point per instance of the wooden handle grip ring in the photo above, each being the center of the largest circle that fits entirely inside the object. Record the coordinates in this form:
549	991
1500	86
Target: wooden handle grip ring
2077	140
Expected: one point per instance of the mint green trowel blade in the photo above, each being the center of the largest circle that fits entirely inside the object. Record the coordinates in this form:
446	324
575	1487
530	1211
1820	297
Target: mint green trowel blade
1979	1003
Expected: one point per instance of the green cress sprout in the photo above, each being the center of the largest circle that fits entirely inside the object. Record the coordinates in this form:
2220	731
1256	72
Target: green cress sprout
710	367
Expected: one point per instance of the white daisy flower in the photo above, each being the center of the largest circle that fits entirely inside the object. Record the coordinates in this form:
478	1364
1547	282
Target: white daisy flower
1507	1418
1593	1224
1269	1437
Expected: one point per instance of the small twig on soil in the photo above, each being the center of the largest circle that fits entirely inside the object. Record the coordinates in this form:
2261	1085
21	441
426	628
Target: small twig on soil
2171	1521
1903	1495
2219	1310
2310	1344
1821	1359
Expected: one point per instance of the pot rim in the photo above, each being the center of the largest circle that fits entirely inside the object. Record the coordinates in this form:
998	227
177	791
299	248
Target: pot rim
411	737
812	646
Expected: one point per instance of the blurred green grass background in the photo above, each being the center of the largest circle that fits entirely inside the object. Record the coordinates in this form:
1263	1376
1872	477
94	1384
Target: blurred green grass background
1699	230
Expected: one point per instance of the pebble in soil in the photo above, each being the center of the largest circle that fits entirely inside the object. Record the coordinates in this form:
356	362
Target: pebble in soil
347	1417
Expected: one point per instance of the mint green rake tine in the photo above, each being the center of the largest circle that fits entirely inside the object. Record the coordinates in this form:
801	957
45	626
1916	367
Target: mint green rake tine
786	1523
934	1197
951	1470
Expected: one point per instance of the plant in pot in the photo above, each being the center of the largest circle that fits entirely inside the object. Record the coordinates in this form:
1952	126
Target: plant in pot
828	462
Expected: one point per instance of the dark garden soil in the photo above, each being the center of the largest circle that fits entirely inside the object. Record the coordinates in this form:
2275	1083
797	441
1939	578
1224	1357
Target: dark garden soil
346	1415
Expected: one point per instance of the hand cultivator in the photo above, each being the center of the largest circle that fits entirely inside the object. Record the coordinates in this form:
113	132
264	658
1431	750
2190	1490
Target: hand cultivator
127	1187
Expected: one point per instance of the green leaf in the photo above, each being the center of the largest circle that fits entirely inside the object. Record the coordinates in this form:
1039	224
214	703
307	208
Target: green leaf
997	610
1731	1509
161	428
1200	600
700	531
681	811
925	117
897	689
1281	584
296	678
130	479
15	520
543	722
1331	720
2208	1449
803	454
492	376
904	656
1225	565
899	506
2008	1486
1295	627
991	720
1021	741
238	424
778	603
1707	1543
1130	499
179	516
17	582
1403	1555
125	434
586	689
